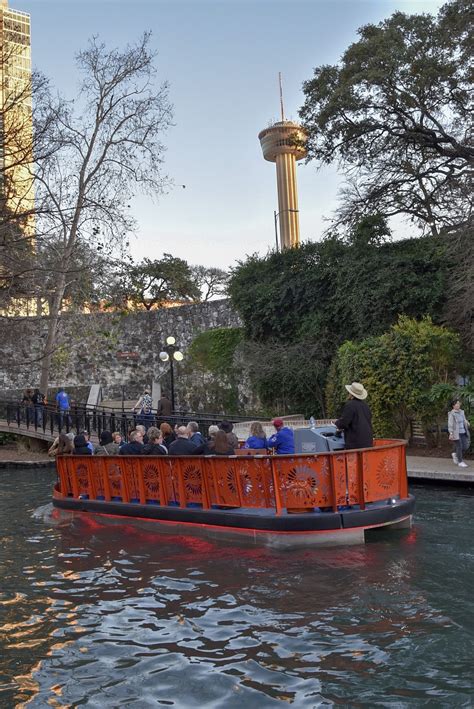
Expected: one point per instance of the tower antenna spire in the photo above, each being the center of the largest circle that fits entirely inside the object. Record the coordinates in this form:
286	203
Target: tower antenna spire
281	97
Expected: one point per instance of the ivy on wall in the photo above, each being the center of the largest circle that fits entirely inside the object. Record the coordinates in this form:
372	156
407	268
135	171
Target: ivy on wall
214	350
212	353
300	305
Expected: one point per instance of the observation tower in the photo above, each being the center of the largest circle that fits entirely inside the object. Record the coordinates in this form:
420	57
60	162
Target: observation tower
284	143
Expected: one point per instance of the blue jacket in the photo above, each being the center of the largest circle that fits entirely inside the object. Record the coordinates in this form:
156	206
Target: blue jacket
283	441
197	439
255	442
62	400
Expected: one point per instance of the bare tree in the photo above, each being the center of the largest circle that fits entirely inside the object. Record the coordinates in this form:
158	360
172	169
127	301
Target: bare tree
102	148
212	282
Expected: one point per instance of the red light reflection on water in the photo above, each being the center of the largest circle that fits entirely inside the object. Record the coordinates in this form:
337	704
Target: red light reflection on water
138	536
411	537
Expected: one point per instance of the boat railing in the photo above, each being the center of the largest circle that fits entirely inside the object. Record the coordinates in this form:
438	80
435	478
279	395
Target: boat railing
325	482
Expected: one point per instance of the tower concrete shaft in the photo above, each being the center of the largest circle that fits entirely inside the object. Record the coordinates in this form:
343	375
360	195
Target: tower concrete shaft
284	143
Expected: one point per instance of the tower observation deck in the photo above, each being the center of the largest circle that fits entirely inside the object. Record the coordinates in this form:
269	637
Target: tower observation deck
284	143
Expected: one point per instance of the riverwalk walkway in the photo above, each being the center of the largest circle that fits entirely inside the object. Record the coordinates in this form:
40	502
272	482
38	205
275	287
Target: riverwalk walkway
442	469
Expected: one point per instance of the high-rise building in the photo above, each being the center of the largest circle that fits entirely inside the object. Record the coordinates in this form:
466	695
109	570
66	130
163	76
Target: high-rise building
284	143
16	122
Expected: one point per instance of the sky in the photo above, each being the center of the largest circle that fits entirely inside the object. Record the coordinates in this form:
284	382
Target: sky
222	59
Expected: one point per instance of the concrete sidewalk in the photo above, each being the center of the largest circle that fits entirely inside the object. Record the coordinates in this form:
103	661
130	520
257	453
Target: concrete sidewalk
426	468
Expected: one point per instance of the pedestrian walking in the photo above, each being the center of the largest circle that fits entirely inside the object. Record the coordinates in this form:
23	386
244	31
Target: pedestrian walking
459	435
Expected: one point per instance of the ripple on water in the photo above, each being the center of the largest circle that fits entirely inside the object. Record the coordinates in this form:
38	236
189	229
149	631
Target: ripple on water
112	616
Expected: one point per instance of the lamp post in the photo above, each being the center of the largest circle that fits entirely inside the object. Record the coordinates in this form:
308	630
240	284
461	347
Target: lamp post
275	217
171	352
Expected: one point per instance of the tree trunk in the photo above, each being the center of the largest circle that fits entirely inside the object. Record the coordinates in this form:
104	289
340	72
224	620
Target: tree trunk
54	314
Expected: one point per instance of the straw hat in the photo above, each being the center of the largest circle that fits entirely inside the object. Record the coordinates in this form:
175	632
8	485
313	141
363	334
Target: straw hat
357	390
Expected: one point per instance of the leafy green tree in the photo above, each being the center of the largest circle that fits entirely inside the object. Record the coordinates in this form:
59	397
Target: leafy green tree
299	305
336	290
400	370
458	311
396	114
152	283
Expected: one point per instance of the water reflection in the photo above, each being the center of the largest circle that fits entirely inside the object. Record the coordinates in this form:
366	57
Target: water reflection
112	615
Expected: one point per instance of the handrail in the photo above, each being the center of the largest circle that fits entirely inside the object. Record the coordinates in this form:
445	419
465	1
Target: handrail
98	408
325	482
47	419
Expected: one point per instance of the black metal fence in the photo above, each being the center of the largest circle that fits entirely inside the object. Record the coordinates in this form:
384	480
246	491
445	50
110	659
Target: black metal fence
94	420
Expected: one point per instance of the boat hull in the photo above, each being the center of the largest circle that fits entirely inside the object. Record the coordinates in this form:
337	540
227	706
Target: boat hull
252	526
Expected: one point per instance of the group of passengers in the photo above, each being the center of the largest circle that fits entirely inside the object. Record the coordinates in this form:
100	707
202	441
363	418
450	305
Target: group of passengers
183	440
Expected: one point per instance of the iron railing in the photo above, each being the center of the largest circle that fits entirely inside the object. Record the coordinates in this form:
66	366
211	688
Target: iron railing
48	420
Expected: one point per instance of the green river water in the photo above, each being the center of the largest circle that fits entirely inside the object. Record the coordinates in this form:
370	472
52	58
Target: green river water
101	616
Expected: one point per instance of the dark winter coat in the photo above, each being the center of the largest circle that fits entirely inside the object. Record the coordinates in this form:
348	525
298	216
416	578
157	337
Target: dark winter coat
133	448
164	407
80	446
182	446
356	422
154	449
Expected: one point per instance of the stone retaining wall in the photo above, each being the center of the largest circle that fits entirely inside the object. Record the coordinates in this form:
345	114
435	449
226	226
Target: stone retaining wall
113	349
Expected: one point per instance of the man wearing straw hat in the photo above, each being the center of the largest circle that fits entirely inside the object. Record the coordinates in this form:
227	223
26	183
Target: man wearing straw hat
356	419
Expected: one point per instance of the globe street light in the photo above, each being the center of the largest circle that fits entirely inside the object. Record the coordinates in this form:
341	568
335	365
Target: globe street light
169	353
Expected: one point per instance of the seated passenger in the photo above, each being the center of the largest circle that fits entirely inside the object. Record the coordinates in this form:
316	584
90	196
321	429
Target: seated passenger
80	446
211	432
65	445
155	444
117	438
257	438
283	440
182	445
140	427
135	444
88	442
53	449
195	436
168	434
227	427
219	445
107	446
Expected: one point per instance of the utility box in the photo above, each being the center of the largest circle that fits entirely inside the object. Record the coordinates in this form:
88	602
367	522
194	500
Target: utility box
318	439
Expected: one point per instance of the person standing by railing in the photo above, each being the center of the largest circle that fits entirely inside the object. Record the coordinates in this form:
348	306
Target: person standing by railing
165	408
144	409
27	402
63	407
39	401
